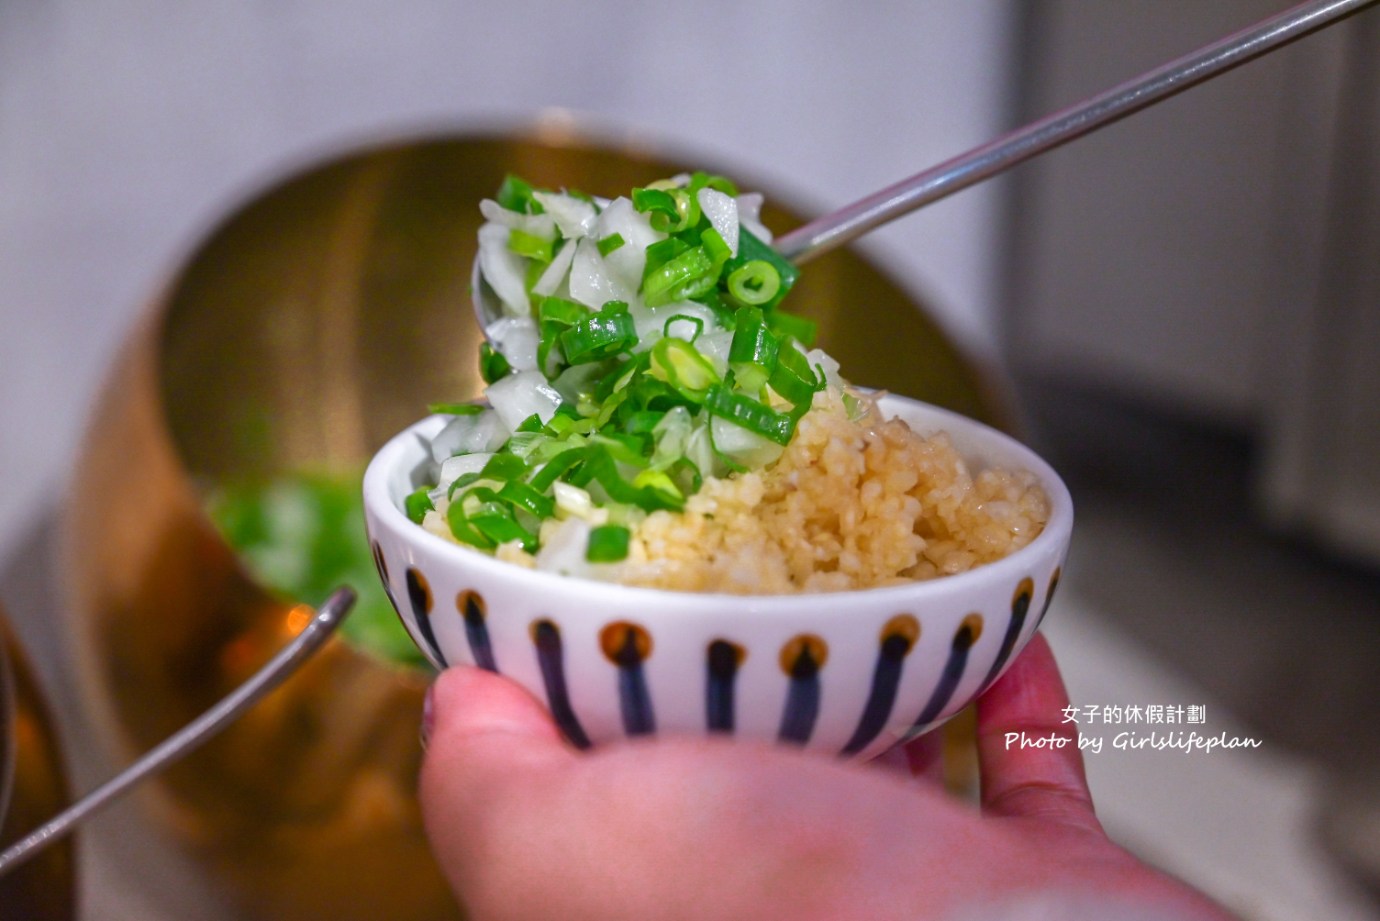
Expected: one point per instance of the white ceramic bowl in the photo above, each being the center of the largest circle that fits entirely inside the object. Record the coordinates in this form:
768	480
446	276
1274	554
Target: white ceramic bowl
849	672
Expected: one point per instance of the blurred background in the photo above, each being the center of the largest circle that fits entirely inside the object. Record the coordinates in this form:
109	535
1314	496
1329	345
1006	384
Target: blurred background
1185	303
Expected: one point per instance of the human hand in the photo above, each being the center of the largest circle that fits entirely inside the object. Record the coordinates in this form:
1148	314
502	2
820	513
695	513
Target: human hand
525	827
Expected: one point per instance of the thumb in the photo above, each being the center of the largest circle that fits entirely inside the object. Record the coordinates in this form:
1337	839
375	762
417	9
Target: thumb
487	741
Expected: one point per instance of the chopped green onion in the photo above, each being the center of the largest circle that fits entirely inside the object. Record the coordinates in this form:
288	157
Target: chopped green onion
532	274
610	243
658	481
682	366
598	336
528	498
456	409
750	414
561	310
646	200
557	466
503	467
608	543
754	282
801	329
638	425
516	195
554	316
642	422
662	252
492	365
751	249
460	482
525	444
793	377
417	504
495	521
722	184
691	273
714	244
753	352
696	322
671	210
687	475
753	342
600	468
462	530
530	245
624	447
723	311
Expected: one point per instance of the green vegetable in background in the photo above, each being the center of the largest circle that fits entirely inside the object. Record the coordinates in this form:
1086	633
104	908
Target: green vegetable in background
302	535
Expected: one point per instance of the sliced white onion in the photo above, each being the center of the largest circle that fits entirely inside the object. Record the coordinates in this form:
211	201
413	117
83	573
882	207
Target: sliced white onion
521	394
591	283
831	367
682	327
574	502
577	380
714	346
555	273
750	215
575	217
538	225
564	547
452	469
650	322
672	433
480	433
722	212
503	269
746	447
516	339
700	451
627	262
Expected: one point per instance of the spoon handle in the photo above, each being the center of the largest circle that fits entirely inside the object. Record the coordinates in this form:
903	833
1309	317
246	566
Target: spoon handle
316	632
832	230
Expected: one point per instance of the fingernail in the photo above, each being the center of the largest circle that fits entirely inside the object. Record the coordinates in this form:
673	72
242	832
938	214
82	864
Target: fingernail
428	714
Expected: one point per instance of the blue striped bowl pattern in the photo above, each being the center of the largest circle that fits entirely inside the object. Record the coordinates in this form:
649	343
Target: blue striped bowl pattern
847	672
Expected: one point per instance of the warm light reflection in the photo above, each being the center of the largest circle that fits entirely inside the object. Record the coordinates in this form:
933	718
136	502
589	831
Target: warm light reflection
298	618
556	126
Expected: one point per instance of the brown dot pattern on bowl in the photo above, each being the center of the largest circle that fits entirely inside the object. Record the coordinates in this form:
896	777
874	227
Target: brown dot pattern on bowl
546	637
1020	607
964	637
898	638
419	594
1049	596
628	646
801	659
723	658
474	612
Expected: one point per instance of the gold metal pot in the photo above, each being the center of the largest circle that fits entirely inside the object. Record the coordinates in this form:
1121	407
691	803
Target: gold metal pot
316	321
33	789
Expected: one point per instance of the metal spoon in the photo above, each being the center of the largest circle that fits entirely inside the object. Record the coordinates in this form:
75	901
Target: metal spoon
852	221
183	742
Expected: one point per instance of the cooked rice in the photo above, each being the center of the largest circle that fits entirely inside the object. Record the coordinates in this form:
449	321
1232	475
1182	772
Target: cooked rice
850	505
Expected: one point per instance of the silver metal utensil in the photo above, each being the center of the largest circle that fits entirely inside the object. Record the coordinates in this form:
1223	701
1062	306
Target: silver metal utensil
852	221
272	674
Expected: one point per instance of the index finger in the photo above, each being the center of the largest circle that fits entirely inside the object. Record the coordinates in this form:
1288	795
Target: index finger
1030	764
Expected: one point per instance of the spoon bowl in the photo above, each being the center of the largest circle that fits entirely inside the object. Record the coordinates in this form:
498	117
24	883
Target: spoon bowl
996	156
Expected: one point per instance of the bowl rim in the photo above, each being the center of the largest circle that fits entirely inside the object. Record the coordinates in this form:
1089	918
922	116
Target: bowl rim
1057	531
